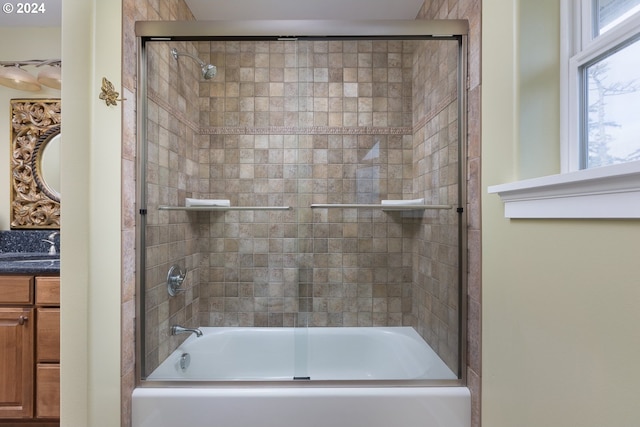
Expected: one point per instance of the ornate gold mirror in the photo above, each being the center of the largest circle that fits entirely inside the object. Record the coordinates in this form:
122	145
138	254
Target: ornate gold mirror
35	161
45	163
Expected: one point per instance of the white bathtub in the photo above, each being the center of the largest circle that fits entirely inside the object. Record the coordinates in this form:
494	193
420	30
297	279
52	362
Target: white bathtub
277	354
226	378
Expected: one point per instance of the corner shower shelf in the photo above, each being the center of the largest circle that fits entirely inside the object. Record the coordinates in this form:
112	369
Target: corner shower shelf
408	207
223	208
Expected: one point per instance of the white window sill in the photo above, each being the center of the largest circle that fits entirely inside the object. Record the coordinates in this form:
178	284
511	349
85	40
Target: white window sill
605	192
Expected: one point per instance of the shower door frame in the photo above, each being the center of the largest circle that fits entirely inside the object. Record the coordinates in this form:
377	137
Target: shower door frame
455	30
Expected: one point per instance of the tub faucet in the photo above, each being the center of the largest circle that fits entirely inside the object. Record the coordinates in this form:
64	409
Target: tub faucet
177	329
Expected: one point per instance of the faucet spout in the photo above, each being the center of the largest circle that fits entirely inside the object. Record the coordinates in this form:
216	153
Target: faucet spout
52	248
177	329
51	241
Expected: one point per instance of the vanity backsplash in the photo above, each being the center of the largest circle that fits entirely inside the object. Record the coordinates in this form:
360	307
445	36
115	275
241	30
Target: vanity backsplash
28	240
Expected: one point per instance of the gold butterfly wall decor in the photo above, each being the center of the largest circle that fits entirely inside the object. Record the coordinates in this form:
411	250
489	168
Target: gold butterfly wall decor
109	94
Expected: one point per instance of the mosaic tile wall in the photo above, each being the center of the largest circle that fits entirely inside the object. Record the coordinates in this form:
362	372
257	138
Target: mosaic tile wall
295	124
435	263
172	170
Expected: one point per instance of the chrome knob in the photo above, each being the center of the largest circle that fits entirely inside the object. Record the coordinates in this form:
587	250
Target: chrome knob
175	277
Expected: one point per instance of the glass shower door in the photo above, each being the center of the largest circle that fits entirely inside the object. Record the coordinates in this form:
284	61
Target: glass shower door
301	76
306	139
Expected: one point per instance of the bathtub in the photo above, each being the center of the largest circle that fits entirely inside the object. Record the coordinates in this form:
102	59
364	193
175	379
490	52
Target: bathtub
302	377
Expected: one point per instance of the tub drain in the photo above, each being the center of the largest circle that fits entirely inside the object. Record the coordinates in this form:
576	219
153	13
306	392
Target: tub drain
185	361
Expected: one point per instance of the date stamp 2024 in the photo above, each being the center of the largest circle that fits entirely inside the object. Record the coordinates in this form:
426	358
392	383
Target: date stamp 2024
26	8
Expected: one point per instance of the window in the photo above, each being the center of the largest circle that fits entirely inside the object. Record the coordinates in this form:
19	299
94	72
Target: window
609	13
600	123
603	81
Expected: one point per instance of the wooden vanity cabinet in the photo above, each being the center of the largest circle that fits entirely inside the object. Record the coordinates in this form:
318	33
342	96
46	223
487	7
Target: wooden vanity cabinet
29	348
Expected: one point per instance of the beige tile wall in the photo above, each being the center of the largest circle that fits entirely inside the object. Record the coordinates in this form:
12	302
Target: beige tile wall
435	263
295	124
172	175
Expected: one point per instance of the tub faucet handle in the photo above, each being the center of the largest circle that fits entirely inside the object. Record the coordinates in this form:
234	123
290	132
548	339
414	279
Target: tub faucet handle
175	277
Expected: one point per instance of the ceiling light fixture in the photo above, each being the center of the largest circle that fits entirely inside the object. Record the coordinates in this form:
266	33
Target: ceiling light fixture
14	76
51	76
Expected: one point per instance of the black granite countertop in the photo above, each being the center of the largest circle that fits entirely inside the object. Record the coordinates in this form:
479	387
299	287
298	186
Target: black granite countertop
27	252
29	263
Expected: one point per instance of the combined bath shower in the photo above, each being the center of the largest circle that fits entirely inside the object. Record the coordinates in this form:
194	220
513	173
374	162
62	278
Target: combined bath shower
208	70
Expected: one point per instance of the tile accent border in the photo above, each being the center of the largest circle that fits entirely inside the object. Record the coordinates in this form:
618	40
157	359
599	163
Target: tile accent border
312	130
437	109
295	130
173	112
288	130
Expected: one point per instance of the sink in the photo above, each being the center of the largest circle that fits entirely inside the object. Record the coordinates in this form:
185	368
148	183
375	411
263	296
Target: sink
31	260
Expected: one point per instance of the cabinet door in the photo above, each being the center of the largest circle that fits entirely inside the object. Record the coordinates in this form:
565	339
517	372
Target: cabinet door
16	361
48	335
48	391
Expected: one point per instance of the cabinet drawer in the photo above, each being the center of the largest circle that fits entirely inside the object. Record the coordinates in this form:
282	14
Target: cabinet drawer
48	290
48	391
48	335
16	290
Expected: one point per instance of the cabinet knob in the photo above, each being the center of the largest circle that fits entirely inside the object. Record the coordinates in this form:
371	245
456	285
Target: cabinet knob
22	320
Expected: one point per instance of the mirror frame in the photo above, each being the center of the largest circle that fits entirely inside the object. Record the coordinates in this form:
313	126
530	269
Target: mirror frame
33	125
36	163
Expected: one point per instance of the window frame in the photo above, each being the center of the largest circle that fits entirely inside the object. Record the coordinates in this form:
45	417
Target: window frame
603	192
579	48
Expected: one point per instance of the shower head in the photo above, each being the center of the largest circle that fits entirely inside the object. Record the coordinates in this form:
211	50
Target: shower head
208	70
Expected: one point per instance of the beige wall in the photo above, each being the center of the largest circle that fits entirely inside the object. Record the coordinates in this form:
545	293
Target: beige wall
538	101
559	301
35	43
90	256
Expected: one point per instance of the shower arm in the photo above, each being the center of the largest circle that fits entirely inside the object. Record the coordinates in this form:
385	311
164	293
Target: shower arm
175	54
